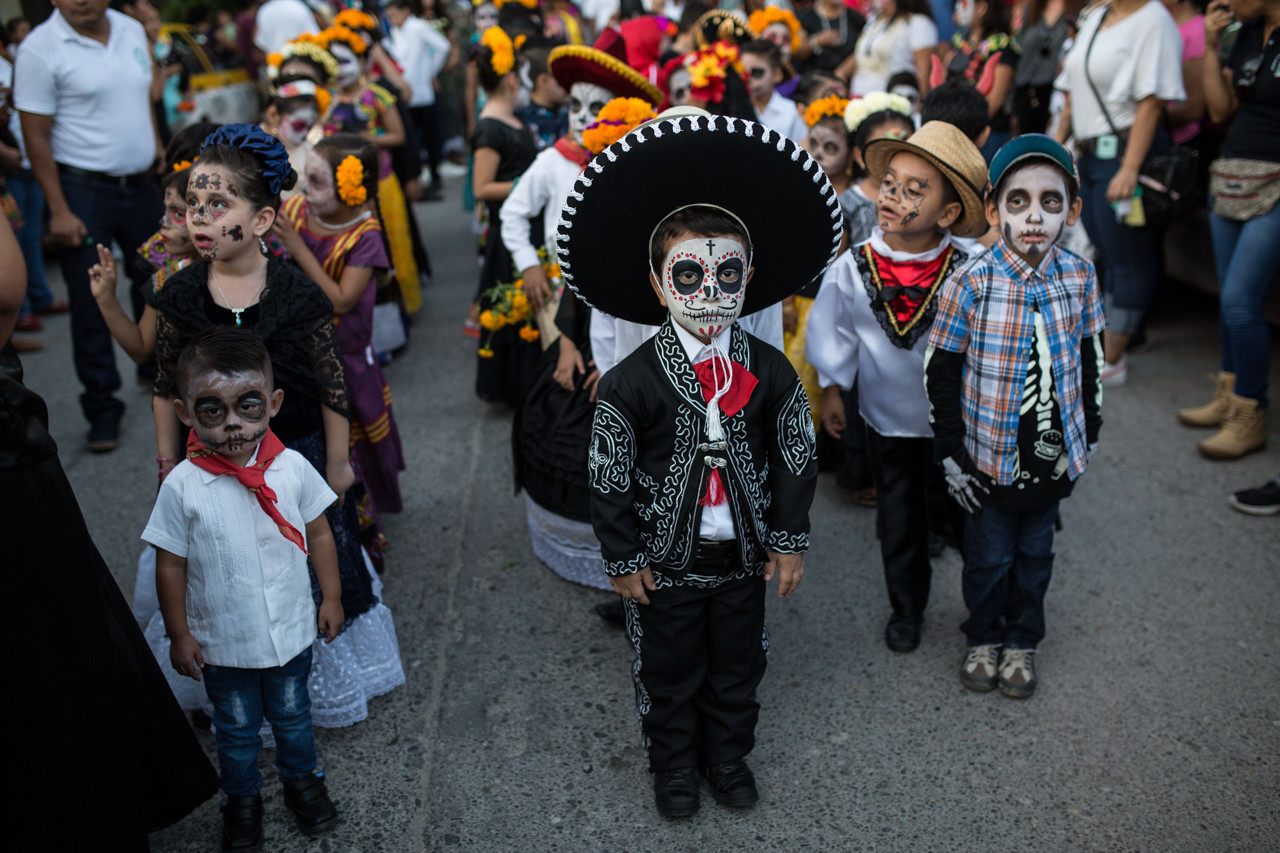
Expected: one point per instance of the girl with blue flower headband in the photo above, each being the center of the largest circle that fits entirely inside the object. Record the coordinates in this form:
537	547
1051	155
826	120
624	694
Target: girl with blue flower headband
233	197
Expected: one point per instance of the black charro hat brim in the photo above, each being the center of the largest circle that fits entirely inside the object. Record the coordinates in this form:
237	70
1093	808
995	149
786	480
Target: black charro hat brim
778	191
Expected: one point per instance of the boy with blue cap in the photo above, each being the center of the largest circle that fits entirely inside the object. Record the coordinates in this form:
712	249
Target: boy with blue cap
1013	376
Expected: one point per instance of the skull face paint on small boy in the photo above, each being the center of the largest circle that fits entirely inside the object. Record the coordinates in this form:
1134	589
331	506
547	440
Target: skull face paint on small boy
704	281
1033	209
229	411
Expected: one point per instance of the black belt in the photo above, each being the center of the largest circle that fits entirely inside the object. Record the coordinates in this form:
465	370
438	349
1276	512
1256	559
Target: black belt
1088	146
121	181
717	547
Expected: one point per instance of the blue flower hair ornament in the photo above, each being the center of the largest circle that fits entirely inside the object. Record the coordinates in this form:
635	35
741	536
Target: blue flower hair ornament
262	145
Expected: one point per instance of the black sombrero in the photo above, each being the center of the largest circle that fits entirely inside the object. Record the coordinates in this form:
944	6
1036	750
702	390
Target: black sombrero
766	180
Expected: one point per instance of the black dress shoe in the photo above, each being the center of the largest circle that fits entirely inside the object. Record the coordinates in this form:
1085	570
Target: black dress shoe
310	804
902	634
675	792
242	824
612	612
104	432
732	783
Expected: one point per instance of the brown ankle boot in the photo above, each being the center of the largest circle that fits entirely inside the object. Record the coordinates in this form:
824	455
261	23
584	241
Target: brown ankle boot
1243	431
1215	412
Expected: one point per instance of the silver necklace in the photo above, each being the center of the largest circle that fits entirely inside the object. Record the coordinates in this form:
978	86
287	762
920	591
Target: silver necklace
844	24
213	276
340	226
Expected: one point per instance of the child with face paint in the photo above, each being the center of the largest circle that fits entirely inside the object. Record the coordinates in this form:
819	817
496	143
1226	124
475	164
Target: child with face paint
762	70
332	231
359	106
233	196
1013	377
233	526
502	150
291	115
870	323
701	462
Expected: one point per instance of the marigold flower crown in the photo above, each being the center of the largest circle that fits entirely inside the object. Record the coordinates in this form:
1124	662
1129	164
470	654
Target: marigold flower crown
762	18
618	118
831	105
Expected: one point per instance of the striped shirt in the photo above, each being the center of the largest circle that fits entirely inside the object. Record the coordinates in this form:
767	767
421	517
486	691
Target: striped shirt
988	313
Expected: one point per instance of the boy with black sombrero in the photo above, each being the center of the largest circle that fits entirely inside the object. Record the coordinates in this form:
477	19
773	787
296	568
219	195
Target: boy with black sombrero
592	76
870	322
1014	378
701	460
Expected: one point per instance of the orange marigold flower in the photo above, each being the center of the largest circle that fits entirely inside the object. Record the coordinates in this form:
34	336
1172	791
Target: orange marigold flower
762	18
528	333
350	180
616	119
502	50
485	352
832	105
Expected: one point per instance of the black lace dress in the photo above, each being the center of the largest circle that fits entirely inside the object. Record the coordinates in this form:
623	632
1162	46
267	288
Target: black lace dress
137	766
504	376
295	320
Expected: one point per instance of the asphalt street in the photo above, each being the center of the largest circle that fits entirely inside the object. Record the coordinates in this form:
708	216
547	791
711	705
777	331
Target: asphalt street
1156	726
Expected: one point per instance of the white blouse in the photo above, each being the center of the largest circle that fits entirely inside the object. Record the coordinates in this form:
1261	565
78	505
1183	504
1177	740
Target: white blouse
885	48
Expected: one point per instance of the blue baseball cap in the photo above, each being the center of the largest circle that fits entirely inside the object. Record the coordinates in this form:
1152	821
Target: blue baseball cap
1033	146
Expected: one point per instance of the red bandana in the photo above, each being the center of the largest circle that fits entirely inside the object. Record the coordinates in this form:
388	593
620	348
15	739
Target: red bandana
741	383
572	151
253	478
906	286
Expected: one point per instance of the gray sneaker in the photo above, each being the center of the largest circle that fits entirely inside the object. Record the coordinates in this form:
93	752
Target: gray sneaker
978	672
1018	673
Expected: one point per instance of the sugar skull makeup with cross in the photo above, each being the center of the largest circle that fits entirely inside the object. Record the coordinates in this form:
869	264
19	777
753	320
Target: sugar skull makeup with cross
704	272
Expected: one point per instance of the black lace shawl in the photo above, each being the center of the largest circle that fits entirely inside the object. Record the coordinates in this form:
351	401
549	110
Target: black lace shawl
294	318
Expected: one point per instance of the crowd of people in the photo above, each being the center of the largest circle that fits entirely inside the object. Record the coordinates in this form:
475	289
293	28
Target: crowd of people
959	248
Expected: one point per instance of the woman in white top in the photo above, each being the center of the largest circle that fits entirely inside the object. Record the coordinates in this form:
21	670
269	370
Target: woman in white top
899	37
1126	63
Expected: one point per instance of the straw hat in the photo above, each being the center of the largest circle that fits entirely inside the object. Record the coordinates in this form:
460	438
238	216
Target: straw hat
959	160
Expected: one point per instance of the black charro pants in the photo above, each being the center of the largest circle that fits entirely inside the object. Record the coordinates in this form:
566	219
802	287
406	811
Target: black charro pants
700	654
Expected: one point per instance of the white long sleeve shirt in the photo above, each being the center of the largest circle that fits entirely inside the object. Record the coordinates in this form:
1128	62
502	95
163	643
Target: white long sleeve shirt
543	188
423	52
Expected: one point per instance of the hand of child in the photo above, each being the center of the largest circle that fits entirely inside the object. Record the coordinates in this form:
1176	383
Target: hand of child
568	366
286	234
536	286
329	618
788	567
634	585
962	487
592	383
102	275
831	412
185	655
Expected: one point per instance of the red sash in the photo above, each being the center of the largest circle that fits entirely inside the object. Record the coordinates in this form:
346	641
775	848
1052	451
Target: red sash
253	478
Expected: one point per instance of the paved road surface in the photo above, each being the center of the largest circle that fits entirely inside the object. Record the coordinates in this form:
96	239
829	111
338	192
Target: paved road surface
1156	726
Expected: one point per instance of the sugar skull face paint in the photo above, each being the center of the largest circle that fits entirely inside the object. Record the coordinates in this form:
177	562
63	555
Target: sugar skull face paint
173	225
296	125
229	411
1034	207
780	34
216	213
704	281
586	100
318	186
349	65
678	86
830	148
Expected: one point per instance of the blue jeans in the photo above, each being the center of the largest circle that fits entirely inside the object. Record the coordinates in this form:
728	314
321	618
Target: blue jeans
1008	560
241	698
127	216
26	192
1127	261
1248	260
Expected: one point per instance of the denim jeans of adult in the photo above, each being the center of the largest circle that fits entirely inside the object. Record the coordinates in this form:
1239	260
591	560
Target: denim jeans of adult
241	699
126	216
1127	260
1008	560
30	199
1248	260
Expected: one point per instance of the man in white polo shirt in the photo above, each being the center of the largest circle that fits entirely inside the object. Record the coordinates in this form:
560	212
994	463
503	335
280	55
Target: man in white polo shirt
280	21
82	87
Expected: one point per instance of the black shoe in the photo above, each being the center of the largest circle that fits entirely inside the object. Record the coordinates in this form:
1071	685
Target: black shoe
310	804
732	783
902	634
612	612
242	823
104	432
675	792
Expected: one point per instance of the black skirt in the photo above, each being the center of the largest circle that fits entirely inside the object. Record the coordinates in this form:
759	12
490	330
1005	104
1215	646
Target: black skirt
549	439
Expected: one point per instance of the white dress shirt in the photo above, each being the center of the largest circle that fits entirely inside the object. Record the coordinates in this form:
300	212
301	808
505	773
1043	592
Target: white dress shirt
844	341
248	599
781	115
422	51
543	188
717	521
98	94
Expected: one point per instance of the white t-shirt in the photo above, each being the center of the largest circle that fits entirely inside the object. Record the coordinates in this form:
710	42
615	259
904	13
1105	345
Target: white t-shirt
1134	59
886	48
249	601
98	94
423	51
280	21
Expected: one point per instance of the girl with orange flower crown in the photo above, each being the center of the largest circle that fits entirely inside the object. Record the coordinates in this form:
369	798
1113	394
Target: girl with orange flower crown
503	148
368	109
332	231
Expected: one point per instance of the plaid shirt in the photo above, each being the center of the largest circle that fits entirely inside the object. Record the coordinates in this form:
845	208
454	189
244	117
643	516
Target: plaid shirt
987	312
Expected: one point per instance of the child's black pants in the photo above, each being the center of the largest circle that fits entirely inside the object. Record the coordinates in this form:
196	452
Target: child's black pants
700	654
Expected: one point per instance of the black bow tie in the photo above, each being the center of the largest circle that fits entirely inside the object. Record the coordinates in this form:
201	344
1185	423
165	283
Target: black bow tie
890	292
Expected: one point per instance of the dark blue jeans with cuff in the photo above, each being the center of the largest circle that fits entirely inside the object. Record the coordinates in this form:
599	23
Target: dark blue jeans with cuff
1008	561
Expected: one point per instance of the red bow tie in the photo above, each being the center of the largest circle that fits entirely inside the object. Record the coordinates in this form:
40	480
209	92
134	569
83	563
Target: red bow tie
741	383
